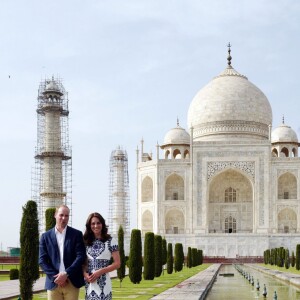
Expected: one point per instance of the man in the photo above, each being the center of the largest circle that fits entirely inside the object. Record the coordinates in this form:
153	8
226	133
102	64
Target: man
62	254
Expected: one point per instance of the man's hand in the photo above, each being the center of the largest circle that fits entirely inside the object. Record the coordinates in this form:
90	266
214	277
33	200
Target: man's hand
61	279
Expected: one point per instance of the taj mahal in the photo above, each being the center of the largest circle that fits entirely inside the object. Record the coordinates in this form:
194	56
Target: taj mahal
230	183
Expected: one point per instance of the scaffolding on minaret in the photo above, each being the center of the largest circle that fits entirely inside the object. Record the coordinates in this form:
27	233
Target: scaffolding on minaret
51	181
119	210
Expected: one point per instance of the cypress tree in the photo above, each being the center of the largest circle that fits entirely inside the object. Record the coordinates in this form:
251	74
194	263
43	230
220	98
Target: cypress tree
122	269
293	259
189	258
287	259
170	259
49	217
298	257
149	256
179	257
164	253
198	257
201	257
194	257
29	253
135	257
157	255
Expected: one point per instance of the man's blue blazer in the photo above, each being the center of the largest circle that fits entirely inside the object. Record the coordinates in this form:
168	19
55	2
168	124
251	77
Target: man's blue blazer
74	256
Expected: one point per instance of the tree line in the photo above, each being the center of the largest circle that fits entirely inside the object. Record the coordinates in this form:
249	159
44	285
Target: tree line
150	264
156	255
281	257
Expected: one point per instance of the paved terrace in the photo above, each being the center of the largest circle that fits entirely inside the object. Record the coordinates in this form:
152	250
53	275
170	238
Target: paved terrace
195	287
287	277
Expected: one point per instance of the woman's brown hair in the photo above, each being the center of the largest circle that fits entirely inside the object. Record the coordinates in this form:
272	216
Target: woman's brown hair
88	235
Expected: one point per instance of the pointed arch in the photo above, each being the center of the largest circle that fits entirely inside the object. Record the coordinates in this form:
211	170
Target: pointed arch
287	221
230	193
274	152
284	152
174	188
287	186
174	222
147	222
176	154
147	189
167	154
186	154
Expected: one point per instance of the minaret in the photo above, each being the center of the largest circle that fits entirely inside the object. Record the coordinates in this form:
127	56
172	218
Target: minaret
52	181
119	210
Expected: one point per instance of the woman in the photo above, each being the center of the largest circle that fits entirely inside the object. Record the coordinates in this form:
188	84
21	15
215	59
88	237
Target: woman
100	248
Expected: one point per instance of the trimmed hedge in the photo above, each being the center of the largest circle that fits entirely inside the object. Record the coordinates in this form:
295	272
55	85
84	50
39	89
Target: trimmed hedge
135	257
149	256
13	274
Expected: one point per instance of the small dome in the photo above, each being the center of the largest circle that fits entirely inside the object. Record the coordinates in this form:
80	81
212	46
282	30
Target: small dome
177	136
284	134
52	87
118	152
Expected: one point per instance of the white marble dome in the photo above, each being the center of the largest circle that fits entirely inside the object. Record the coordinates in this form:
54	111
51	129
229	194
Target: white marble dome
177	136
52	87
284	134
118	152
230	107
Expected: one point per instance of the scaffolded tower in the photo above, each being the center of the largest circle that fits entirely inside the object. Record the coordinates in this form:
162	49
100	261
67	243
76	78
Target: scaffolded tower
52	176
119	210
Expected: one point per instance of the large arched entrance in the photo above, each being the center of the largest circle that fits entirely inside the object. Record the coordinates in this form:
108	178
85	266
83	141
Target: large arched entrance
230	203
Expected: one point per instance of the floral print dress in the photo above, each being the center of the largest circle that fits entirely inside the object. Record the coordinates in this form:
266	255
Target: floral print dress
99	256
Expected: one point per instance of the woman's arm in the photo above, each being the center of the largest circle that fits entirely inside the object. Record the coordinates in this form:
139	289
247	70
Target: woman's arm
115	265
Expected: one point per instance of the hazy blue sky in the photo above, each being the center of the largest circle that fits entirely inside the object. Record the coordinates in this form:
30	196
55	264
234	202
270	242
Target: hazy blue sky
130	68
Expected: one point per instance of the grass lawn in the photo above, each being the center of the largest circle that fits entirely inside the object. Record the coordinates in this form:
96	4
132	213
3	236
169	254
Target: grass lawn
8	267
146	289
281	269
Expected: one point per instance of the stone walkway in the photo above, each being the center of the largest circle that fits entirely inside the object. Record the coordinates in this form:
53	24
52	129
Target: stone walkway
288	277
10	288
195	287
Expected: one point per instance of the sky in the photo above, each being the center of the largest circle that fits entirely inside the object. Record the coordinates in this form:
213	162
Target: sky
130	69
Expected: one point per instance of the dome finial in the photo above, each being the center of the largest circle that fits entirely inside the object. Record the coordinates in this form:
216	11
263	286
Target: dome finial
177	121
229	56
282	119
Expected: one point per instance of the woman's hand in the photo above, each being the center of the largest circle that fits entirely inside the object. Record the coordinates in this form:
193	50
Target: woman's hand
93	276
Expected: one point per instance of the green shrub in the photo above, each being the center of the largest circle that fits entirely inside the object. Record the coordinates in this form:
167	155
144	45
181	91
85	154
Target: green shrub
135	257
50	219
287	259
29	254
157	255
149	256
164	253
293	259
179	257
13	274
121	270
189	258
170	259
298	257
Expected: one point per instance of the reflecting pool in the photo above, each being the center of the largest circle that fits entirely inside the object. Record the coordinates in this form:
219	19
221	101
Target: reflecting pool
230	284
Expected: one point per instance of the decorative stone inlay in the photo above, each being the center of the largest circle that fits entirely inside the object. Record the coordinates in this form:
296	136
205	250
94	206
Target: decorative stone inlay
281	207
218	154
216	166
283	171
237	127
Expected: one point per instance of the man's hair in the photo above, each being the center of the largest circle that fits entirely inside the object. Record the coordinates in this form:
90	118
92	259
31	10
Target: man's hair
57	208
